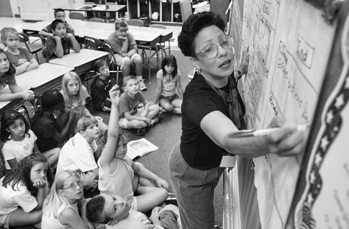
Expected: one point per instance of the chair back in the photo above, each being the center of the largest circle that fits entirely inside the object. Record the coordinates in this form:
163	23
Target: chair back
158	26
76	15
136	22
96	19
111	58
23	37
92	43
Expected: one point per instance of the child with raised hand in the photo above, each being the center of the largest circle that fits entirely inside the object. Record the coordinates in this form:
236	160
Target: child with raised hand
7	72
63	204
23	191
117	170
168	80
114	212
51	124
60	43
135	111
75	95
22	60
78	154
101	86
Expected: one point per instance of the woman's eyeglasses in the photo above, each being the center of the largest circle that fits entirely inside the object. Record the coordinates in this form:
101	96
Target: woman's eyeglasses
74	186
211	50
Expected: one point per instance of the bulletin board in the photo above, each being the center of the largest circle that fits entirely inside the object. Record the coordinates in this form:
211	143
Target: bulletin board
289	45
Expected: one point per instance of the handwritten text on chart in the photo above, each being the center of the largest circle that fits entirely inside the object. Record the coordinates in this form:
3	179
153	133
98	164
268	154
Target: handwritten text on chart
305	52
285	62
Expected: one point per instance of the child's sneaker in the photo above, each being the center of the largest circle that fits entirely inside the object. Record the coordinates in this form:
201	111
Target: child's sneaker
142	86
154	121
171	199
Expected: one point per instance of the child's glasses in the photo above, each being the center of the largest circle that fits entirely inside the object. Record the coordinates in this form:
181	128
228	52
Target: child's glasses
74	186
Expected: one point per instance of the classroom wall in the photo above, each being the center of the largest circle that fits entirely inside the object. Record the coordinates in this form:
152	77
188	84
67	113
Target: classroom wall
5	9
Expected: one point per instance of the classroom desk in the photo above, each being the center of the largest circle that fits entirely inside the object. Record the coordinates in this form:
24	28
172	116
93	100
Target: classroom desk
40	80
89	7
141	34
82	61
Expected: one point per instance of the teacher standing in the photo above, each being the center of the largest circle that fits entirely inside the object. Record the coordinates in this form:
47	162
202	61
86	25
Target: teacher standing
211	110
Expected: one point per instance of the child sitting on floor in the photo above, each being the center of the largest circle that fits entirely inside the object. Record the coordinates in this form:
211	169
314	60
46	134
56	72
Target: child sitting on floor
19	140
21	59
51	123
117	170
7	72
101	86
168	81
114	212
60	43
78	153
23	190
135	111
75	96
63	204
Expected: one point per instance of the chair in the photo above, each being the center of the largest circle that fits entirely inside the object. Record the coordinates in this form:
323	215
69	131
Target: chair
162	44
76	15
112	61
33	47
136	22
93	43
96	19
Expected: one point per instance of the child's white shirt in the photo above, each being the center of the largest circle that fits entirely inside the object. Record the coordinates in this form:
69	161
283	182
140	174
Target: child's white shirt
19	149
77	154
11	199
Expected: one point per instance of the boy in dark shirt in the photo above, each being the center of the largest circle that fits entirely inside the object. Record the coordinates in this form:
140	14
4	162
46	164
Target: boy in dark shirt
59	14
101	86
60	43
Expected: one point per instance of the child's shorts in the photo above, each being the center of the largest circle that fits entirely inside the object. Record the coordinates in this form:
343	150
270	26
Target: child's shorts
170	98
123	121
120	60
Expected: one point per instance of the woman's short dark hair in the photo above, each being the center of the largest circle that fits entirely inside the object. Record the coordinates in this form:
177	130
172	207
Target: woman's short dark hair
192	26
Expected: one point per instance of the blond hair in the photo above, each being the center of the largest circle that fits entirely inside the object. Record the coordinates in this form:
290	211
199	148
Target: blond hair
55	199
82	90
6	32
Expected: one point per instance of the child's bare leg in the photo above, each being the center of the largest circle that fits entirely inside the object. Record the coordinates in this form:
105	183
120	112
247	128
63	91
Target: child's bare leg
52	155
21	218
177	103
136	124
146	182
153	110
166	105
149	197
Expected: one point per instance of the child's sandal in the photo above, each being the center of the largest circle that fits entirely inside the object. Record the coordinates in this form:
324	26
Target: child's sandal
140	132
